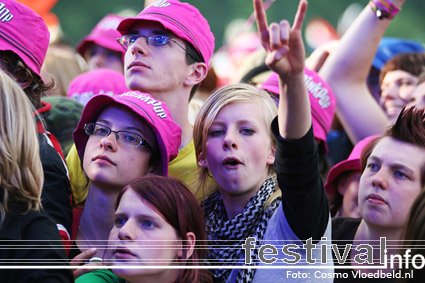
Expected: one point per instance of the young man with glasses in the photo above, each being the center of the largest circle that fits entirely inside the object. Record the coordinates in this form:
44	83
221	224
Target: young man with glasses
168	50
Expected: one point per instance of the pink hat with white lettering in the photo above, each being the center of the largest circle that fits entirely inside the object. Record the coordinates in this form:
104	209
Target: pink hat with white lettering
104	34
322	101
154	112
24	33
183	19
352	163
99	81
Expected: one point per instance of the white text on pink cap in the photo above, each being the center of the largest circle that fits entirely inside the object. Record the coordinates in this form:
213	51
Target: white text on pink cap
319	92
5	15
157	105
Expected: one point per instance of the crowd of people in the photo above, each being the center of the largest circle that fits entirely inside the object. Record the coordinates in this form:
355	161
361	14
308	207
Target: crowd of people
127	159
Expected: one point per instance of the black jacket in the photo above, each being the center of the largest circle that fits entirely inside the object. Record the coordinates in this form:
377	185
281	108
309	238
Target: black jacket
31	239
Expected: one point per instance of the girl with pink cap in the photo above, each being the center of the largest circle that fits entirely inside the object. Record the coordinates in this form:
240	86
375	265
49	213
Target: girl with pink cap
118	140
100	48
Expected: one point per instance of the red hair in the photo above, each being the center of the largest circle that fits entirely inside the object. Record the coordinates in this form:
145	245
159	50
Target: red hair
174	201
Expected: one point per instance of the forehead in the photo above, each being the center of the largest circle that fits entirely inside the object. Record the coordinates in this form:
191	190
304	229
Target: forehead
120	113
394	151
397	75
149	26
242	110
132	202
122	116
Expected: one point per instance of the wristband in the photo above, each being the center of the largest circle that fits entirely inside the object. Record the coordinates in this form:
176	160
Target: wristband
384	9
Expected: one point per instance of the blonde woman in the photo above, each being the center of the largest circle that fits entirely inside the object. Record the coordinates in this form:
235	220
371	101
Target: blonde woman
237	139
21	180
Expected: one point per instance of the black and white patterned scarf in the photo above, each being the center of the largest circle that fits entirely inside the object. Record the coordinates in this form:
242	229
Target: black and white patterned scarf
226	236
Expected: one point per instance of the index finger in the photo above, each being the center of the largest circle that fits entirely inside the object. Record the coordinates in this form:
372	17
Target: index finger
299	17
260	16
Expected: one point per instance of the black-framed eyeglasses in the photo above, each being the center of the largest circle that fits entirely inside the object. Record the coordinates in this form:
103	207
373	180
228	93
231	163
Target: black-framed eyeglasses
155	40
127	138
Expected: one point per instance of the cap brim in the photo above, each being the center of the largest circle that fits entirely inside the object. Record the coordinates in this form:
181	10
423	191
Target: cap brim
331	186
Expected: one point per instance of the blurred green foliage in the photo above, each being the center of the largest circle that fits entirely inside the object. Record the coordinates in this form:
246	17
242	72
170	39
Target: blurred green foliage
78	17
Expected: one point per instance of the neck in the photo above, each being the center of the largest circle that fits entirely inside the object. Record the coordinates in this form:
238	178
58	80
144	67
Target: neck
371	234
374	233
235	204
97	219
178	104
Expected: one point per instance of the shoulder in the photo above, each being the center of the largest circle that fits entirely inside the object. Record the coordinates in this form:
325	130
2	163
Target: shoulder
99	276
344	228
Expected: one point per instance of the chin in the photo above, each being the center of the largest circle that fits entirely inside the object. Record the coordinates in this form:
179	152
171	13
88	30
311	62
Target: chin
127	274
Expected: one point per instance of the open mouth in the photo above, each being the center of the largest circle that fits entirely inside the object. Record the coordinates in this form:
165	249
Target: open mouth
231	162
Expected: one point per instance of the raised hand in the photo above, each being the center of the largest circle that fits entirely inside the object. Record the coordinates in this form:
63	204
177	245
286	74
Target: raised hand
284	45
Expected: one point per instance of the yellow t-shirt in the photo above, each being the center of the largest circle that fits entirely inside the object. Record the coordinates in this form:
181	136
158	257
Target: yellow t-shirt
184	167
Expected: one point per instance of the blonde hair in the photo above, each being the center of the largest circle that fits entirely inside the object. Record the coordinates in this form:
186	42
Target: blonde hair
234	93
61	65
21	174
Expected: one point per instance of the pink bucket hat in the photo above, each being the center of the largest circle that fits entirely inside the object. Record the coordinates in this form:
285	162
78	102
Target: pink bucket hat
183	19
154	112
99	81
24	33
352	163
104	34
322	101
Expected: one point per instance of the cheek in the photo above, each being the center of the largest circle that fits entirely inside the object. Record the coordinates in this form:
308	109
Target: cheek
87	153
137	163
406	92
113	235
211	148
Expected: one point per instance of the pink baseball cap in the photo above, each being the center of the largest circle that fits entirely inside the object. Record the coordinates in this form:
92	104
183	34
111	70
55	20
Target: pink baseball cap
24	33
352	163
104	34
322	100
100	81
154	112
183	19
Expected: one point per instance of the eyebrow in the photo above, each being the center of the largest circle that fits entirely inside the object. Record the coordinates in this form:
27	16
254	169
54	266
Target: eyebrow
394	165
139	216
252	123
160	32
125	129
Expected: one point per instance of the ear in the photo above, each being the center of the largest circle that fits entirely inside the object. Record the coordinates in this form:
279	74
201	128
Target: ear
202	161
341	185
190	244
197	73
271	155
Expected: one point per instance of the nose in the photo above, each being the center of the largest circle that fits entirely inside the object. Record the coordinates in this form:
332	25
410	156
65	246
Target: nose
126	232
97	61
139	46
390	92
109	142
380	179
230	141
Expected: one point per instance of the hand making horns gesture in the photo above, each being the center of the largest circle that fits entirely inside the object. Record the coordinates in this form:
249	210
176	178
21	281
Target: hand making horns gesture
283	44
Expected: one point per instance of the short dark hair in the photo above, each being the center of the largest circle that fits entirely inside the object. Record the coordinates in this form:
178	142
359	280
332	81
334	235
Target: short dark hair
413	63
409	128
192	56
